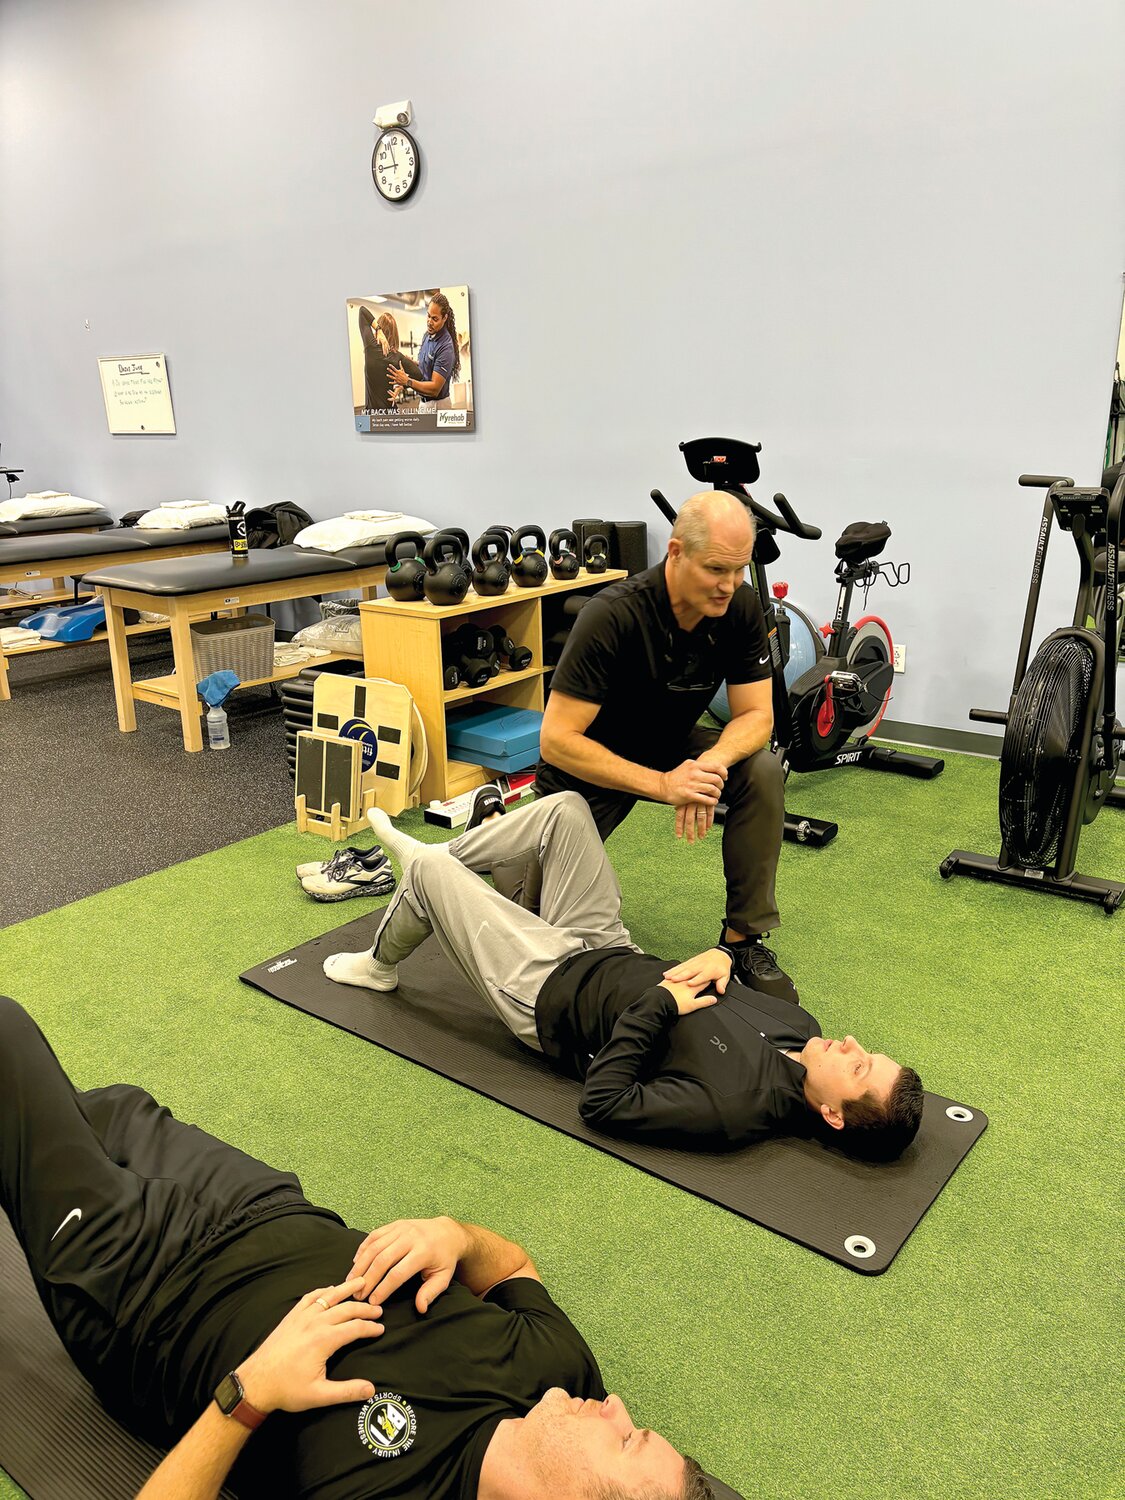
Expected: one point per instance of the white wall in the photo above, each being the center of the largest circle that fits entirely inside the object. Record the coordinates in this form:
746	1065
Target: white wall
884	240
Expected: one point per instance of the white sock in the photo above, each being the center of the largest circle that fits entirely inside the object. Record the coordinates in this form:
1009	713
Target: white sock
401	845
361	969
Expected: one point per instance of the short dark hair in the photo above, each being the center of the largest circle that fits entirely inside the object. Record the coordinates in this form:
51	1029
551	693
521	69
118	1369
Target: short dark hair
694	1487
880	1130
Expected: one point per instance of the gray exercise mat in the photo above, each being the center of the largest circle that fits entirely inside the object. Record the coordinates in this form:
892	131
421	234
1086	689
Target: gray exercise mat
855	1213
56	1439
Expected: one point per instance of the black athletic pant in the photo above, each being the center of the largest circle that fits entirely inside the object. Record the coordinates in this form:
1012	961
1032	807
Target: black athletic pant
107	1193
754	795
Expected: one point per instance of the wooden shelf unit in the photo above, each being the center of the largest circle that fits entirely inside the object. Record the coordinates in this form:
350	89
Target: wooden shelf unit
402	642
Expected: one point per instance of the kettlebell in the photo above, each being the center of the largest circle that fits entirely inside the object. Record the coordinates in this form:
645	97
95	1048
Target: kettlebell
597	552
405	574
491	570
529	567
446	580
563	546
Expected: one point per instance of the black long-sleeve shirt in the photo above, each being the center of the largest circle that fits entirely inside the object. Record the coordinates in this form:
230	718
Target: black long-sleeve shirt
716	1078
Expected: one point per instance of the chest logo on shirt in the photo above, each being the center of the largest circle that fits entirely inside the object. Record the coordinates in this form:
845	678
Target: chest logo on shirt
387	1425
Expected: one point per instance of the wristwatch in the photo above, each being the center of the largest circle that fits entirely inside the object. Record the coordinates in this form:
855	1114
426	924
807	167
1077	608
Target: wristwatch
231	1401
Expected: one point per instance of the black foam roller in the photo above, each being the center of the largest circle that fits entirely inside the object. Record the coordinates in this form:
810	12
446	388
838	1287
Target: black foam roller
628	545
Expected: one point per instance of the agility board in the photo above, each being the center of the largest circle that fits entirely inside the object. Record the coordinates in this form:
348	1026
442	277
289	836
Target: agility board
853	1212
57	1441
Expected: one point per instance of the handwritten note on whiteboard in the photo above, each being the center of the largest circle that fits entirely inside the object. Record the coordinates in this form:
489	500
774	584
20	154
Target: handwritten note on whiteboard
137	398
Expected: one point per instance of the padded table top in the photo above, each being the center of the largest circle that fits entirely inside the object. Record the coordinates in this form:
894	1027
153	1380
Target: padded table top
374	555
38	525
218	570
45	549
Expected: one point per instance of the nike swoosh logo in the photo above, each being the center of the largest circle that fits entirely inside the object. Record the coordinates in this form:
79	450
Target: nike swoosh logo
75	1213
762	660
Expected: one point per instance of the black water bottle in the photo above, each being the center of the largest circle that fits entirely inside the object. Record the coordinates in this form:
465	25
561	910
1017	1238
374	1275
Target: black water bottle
236	530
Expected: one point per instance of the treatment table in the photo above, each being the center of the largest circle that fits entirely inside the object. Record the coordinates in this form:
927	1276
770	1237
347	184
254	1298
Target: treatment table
83	520
71	554
192	588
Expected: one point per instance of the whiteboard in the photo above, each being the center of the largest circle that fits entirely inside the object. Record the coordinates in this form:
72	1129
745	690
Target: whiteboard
136	394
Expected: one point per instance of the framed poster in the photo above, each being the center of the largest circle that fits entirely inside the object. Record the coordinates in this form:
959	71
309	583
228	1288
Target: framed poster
136	394
411	361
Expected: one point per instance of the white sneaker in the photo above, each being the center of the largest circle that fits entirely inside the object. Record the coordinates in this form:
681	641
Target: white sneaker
352	874
318	866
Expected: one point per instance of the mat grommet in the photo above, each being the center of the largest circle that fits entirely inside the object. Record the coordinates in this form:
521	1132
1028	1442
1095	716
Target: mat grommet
959	1113
859	1246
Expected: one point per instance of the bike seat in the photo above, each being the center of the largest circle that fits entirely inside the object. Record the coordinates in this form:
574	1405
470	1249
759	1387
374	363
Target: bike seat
1100	564
861	540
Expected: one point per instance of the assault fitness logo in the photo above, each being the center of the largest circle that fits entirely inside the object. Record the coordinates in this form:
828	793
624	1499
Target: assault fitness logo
387	1425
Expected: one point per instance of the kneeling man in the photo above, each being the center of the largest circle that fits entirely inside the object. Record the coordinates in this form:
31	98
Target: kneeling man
676	1053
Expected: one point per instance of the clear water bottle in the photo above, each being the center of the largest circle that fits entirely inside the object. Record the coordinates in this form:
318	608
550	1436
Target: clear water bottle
218	735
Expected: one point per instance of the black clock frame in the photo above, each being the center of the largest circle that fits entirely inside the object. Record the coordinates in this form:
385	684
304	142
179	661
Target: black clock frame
398	197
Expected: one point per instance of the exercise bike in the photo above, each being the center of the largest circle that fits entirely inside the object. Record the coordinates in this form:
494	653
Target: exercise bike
1062	741
830	689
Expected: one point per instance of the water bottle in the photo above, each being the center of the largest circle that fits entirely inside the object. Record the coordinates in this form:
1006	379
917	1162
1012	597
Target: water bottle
218	735
236	530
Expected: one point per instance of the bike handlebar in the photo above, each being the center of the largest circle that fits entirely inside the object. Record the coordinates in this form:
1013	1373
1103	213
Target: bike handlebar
1044	481
787	520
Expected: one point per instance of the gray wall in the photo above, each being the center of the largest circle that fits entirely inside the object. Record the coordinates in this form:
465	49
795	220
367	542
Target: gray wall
884	240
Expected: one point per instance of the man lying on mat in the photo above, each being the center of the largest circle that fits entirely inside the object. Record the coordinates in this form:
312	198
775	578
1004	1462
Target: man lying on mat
202	1295
571	984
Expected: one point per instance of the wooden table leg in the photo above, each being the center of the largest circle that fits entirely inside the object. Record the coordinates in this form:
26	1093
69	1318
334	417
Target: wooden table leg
5	690
119	661
180	621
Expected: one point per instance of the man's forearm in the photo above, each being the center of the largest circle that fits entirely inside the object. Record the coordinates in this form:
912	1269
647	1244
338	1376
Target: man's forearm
488	1258
199	1463
742	737
579	755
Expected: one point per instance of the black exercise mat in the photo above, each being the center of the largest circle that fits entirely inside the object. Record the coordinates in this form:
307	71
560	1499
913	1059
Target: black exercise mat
57	1441
811	1194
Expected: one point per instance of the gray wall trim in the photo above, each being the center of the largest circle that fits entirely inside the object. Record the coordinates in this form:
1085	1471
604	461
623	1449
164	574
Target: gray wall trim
966	741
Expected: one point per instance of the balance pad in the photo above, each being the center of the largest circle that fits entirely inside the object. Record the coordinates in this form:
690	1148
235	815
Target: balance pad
856	1213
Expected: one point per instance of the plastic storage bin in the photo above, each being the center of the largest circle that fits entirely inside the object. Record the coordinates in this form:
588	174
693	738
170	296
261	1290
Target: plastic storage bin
242	645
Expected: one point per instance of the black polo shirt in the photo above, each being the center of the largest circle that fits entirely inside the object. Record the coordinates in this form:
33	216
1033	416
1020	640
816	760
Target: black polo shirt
443	1381
652	679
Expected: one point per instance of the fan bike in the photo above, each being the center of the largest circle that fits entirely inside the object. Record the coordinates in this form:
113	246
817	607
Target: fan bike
1062	742
831	687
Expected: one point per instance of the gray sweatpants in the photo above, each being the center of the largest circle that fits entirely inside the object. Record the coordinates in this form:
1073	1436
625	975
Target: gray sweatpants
505	952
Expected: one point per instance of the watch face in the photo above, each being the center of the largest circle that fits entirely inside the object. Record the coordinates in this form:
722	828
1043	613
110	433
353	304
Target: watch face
394	165
228	1393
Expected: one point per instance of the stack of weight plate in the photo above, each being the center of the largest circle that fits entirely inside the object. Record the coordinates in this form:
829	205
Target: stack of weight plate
297	703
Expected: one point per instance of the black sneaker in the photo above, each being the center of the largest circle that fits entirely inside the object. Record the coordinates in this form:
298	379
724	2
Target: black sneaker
485	801
757	968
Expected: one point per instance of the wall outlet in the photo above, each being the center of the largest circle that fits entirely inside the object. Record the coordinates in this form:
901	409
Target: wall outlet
900	658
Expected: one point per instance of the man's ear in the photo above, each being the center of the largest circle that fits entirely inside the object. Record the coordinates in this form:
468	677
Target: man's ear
831	1117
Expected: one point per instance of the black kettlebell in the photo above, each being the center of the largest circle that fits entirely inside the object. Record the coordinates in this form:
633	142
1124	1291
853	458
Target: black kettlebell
491	570
446	579
405	574
597	552
529	566
563	547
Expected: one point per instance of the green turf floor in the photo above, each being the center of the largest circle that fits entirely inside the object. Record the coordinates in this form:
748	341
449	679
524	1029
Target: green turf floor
981	1364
